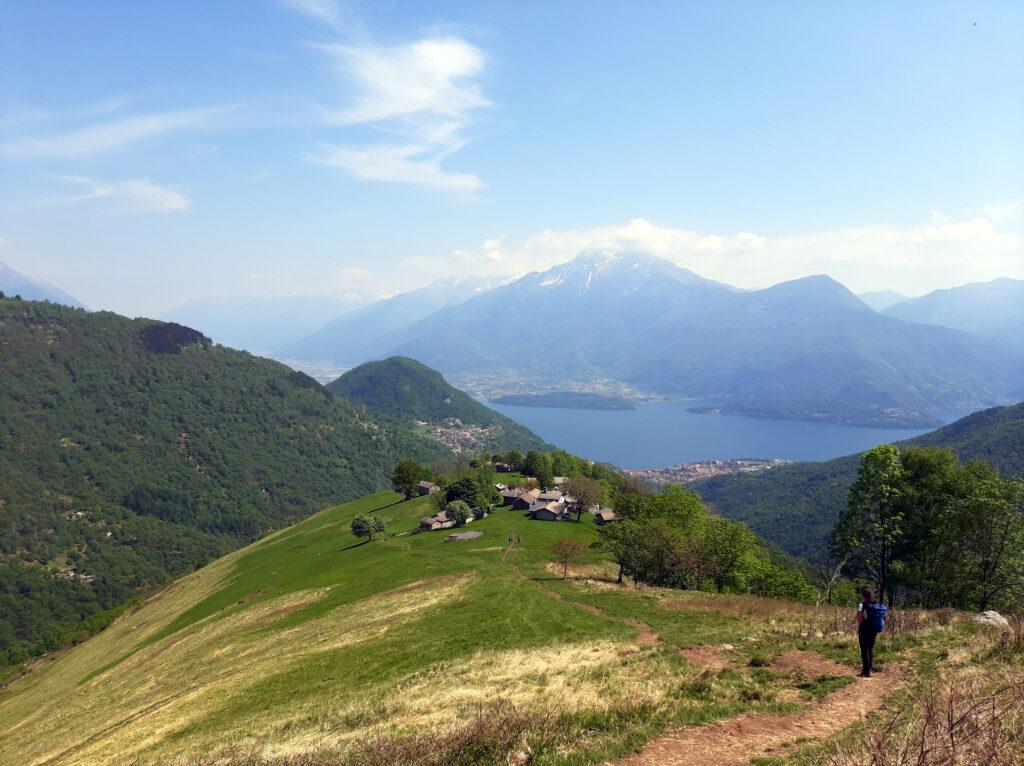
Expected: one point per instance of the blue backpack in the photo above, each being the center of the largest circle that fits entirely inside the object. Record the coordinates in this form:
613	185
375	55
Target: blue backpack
874	616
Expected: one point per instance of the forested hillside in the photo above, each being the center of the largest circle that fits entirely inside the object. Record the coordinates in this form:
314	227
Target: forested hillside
796	505
132	451
403	391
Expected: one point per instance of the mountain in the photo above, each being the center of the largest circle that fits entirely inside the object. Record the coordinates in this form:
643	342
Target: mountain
261	324
13	283
880	300
361	335
805	349
796	505
993	309
134	450
405	392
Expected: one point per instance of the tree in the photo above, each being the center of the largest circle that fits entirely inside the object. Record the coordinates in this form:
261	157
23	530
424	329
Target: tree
993	536
726	546
566	552
457	512
367	526
406	476
872	526
465	489
514	459
538	465
584	493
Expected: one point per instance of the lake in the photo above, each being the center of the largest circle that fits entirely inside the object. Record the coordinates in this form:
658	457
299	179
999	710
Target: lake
663	433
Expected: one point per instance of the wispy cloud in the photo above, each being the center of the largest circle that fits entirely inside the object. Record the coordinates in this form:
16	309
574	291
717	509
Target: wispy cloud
423	94
109	135
326	11
132	195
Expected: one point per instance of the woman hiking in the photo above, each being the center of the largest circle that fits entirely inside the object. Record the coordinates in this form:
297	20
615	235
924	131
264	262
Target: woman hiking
870	622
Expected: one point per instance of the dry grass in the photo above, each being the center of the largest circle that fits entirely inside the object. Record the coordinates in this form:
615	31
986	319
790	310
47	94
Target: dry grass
133	708
974	720
791	619
494	735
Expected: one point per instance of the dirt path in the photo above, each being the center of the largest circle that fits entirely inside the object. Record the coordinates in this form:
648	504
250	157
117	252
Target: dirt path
736	741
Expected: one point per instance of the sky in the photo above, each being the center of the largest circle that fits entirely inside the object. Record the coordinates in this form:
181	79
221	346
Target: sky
151	153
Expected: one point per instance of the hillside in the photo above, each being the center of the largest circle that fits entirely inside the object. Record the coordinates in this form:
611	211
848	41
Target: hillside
132	451
405	392
796	505
312	647
806	349
992	309
14	283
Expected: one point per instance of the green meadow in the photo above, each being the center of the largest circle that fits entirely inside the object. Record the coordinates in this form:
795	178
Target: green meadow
313	640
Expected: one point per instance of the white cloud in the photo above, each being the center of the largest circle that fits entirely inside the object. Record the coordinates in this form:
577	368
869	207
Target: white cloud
398	163
425	93
355	272
326	11
132	195
110	135
913	259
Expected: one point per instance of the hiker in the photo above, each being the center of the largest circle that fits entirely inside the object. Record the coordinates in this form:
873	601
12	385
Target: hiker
870	622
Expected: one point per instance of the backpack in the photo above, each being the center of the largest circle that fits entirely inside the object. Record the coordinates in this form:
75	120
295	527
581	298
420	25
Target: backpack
874	616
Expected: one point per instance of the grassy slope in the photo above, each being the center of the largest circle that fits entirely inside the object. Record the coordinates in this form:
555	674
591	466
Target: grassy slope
402	390
132	451
310	638
796	506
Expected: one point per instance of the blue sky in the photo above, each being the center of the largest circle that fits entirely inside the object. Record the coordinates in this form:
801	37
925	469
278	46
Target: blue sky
155	152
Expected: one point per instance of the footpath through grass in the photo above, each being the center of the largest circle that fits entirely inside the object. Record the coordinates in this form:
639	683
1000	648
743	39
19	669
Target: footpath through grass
313	642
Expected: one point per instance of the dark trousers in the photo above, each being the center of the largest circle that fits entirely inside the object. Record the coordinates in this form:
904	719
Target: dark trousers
866	636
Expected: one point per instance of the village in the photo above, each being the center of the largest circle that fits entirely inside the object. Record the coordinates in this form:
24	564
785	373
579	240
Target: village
550	505
683	473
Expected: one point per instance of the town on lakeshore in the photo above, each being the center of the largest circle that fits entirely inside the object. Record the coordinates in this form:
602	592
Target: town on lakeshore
687	472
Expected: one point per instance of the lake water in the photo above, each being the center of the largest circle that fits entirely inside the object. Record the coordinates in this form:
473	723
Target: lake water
663	433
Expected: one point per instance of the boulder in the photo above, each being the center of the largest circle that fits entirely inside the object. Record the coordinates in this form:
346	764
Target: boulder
992	619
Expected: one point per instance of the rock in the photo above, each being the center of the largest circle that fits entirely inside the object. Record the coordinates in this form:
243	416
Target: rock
728	647
992	619
521	757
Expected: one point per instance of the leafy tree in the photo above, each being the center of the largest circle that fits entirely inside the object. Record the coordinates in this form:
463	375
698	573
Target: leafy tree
566	552
515	460
457	511
726	547
367	526
537	463
584	492
872	527
992	524
406	476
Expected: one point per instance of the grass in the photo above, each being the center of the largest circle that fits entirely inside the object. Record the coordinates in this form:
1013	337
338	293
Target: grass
313	646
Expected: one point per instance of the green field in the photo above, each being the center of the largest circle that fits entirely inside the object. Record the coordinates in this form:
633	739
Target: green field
312	639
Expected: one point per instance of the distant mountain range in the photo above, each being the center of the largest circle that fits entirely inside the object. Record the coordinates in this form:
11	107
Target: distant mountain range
261	324
806	349
796	505
880	300
992	309
362	334
14	283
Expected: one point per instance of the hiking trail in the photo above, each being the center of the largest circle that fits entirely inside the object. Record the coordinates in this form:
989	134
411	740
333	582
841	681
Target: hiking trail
735	741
